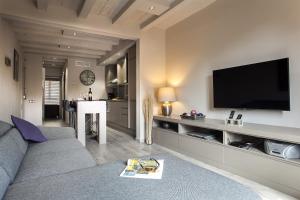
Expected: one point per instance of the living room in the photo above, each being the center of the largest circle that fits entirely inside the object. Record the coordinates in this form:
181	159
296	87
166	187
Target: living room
179	46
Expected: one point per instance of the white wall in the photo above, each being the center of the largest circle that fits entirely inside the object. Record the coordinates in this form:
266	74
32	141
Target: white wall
150	72
11	96
76	89
33	105
231	33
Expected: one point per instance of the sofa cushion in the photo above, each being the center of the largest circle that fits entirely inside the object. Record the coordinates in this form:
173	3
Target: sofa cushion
28	130
35	166
4	127
54	146
10	156
17	137
53	133
4	182
181	180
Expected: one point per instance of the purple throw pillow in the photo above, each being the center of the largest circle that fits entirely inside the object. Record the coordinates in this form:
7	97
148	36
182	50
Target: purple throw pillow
28	130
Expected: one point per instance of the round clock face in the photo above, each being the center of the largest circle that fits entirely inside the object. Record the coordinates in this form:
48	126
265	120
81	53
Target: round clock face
87	77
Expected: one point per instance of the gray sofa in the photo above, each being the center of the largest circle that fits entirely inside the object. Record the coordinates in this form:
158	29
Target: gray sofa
62	169
21	161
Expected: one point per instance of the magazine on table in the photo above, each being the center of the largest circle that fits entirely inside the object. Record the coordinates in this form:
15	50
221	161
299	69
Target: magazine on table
143	168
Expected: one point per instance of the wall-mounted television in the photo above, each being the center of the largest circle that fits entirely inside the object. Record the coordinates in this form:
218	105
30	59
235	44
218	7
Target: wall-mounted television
262	85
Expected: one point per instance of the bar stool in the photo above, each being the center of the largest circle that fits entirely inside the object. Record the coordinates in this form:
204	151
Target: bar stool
72	115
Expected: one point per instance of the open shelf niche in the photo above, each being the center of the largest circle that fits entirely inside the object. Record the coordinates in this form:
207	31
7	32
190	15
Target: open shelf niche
256	145
210	135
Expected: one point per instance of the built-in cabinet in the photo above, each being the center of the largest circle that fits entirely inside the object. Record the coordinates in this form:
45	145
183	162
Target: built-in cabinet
118	113
253	163
121	88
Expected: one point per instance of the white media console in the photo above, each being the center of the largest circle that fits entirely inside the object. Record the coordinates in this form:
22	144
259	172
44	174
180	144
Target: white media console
254	163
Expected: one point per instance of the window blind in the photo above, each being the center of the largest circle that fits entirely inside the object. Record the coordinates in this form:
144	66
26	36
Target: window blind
52	93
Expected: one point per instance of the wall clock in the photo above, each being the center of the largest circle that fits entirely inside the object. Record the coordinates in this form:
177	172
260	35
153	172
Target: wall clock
87	77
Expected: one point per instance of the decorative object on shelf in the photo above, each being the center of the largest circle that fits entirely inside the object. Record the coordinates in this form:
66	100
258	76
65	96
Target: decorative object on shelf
235	122
193	116
148	114
90	94
165	125
16	65
87	77
166	95
7	61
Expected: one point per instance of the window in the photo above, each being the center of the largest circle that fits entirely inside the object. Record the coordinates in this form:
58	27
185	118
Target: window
52	93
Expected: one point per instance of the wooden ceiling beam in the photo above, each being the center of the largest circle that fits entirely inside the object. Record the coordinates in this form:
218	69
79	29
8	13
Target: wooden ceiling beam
41	40
62	48
27	32
124	12
60	54
85	9
41	4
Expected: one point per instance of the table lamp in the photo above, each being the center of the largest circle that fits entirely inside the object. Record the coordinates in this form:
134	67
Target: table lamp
166	95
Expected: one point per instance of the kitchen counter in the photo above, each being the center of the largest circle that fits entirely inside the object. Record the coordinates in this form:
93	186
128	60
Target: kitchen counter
91	107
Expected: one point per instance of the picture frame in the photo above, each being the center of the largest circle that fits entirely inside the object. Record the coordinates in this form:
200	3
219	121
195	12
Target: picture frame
16	65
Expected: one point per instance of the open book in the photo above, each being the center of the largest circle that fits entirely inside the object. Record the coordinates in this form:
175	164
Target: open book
147	169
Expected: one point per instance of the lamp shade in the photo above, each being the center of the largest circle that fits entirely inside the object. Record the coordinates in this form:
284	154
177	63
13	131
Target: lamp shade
166	94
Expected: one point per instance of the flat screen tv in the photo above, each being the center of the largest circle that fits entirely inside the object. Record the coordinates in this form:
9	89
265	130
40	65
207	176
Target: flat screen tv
255	86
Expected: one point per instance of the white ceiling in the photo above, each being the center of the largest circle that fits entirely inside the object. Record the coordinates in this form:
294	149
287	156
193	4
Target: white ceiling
88	28
60	41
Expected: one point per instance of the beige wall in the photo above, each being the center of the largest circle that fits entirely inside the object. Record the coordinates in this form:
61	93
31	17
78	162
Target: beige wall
11	98
231	33
76	89
150	71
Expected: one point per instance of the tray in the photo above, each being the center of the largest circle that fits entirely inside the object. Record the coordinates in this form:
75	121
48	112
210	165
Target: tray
192	117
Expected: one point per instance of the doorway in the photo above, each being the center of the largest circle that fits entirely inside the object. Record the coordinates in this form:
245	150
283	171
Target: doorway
52	99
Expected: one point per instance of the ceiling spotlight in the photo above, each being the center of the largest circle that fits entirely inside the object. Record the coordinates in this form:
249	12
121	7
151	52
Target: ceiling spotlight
54	58
74	33
68	47
151	7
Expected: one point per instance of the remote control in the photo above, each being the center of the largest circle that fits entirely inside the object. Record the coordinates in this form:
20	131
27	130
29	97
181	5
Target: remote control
239	117
231	114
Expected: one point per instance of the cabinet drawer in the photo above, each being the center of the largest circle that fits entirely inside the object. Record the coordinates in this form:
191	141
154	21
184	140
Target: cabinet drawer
123	120
267	169
201	150
166	139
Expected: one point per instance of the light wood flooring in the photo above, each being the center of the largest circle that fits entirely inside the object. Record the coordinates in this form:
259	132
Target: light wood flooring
121	146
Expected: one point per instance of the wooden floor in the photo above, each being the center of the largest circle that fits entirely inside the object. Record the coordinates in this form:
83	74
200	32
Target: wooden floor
121	146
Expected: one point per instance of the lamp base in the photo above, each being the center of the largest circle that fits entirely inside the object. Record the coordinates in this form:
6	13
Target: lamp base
166	109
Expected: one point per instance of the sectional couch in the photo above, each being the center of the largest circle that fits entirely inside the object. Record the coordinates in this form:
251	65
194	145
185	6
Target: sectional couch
22	161
62	169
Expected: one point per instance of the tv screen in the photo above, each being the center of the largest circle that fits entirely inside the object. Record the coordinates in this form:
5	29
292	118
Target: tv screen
256	86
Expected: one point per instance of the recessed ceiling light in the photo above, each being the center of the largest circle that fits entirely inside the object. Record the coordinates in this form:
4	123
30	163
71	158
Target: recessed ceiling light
54	58
151	7
74	33
68	47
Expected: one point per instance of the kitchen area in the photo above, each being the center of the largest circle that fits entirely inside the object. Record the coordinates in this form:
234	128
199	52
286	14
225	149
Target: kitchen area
120	85
111	81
